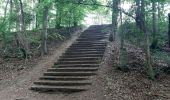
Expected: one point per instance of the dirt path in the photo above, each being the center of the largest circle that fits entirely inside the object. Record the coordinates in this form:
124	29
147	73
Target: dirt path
17	88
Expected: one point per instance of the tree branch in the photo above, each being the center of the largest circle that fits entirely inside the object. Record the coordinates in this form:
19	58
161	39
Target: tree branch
126	13
83	3
94	4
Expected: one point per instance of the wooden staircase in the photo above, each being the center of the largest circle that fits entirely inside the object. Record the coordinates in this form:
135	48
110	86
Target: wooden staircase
80	61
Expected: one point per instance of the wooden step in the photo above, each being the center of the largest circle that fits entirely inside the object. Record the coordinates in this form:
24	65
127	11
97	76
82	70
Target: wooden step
81	45
80	59
77	62
83	55
94	51
69	73
97	41
65	78
89	39
85	46
93	36
88	47
92	41
62	83
75	65
85	49
45	88
89	42
71	69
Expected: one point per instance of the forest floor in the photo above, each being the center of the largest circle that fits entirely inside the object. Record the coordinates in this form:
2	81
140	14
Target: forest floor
109	84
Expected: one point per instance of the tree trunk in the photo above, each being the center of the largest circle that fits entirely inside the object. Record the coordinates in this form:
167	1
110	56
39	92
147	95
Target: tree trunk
21	35
44	33
58	22
58	17
154	19
159	17
75	22
123	56
138	14
22	23
154	26
11	9
147	48
169	30
37	24
115	13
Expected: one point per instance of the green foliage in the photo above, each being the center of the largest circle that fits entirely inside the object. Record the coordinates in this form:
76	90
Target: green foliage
65	13
28	17
35	39
55	36
71	14
132	33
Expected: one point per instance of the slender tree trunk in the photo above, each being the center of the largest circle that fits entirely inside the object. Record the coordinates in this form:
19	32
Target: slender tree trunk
58	16
33	23
18	15
58	21
37	24
138	14
154	19
44	33
147	48
36	21
159	16
75	23
21	35
115	13
70	16
154	26
22	23
169	29
11	9
123	57
121	32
